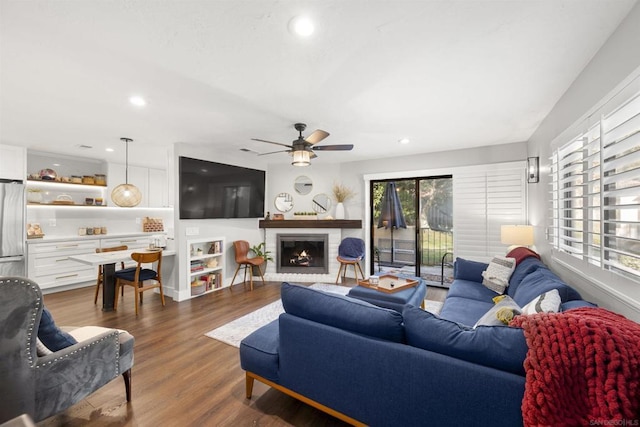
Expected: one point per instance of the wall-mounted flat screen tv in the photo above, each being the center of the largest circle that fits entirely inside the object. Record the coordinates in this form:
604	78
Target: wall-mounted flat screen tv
215	190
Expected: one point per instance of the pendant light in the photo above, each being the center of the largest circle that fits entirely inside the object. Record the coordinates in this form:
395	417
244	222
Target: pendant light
126	195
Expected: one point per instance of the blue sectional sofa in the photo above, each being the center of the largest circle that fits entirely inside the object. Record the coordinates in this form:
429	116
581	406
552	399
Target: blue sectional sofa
369	365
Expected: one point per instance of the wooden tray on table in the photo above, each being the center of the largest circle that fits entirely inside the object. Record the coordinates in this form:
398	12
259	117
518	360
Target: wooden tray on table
389	283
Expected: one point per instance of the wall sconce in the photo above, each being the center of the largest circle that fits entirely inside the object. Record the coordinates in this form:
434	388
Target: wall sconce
533	169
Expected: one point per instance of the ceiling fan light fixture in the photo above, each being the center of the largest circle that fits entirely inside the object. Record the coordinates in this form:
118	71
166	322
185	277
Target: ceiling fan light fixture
301	158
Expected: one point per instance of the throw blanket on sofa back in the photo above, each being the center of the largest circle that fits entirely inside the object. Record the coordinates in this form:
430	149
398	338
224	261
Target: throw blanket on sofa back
583	366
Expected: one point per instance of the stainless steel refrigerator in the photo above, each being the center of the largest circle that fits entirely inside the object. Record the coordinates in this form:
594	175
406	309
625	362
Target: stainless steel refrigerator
12	229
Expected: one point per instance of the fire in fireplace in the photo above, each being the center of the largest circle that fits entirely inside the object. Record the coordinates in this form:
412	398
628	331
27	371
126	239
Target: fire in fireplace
302	253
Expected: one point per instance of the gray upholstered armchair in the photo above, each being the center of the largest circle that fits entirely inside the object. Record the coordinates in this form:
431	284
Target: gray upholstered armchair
42	386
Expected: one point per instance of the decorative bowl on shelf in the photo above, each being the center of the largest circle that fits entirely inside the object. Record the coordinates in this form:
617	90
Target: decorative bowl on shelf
48	174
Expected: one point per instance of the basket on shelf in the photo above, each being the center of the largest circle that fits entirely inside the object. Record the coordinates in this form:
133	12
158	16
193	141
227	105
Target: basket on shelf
152	225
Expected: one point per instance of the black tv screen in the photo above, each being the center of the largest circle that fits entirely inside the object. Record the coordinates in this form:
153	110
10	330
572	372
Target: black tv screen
215	190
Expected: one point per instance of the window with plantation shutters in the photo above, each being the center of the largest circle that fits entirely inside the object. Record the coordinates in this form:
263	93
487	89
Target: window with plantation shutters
485	198
621	189
595	191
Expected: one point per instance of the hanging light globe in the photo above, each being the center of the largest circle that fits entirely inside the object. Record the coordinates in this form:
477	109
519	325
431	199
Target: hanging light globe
126	195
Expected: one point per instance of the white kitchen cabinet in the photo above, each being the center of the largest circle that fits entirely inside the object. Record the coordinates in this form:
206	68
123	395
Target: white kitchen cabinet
49	264
158	188
151	182
13	162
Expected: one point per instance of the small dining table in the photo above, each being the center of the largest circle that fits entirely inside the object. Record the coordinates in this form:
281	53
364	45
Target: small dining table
108	260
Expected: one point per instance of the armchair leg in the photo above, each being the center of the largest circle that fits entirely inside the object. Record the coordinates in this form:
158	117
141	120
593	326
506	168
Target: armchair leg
249	386
126	375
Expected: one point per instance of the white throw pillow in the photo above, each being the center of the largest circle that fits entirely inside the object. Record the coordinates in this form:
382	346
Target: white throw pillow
549	302
41	349
496	276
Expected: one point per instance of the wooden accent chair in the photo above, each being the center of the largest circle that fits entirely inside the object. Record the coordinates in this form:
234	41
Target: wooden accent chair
350	252
99	280
142	279
242	250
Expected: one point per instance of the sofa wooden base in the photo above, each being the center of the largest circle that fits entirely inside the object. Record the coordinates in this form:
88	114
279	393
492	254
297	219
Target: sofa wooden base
250	376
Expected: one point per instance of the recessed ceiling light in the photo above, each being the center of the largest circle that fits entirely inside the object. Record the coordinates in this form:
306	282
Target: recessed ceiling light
138	101
404	141
301	26
109	150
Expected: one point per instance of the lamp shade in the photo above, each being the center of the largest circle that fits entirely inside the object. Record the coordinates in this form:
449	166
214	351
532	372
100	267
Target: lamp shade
126	195
301	158
519	235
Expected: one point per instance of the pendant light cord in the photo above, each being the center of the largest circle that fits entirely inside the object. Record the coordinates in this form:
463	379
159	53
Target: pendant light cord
126	161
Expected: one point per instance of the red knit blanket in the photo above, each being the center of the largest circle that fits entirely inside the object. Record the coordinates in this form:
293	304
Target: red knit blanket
582	368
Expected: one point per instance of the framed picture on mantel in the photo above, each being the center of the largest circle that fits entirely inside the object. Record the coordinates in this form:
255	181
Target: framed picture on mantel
278	217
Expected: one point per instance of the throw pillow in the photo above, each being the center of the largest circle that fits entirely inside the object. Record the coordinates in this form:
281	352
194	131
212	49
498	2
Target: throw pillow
496	276
465	269
41	349
521	253
51	336
549	302
500	314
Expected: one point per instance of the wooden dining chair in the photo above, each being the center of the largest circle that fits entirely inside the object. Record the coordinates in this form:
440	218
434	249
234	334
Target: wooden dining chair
99	280
141	279
242	251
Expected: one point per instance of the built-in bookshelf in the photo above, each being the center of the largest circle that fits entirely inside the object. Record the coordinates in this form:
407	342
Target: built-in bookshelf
206	265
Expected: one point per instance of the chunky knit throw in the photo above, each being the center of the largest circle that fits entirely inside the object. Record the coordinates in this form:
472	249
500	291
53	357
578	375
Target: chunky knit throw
582	368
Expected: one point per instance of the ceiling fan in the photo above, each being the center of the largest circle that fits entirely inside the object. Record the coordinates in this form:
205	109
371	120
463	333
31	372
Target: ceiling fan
302	149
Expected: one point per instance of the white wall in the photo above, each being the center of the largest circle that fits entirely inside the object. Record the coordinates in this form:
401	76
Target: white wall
618	58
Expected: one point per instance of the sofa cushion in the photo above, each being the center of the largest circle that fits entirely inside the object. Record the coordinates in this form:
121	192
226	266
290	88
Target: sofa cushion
50	335
501	313
500	347
539	282
496	276
465	311
259	351
342	312
578	303
523	269
471	290
465	269
549	302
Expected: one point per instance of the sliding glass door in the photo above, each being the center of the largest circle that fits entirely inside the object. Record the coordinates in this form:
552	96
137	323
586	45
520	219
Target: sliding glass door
412	227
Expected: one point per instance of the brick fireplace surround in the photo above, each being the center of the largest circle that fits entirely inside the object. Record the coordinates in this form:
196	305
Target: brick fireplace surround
333	228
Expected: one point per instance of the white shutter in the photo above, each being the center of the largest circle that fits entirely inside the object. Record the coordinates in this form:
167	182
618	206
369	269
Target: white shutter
621	189
484	199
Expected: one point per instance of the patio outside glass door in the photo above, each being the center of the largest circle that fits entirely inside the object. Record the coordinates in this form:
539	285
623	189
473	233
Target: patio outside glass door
412	228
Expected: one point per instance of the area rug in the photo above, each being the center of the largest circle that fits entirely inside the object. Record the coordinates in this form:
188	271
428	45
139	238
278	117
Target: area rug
235	331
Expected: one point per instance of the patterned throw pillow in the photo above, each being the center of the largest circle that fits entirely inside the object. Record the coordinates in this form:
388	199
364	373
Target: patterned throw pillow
549	302
500	314
496	276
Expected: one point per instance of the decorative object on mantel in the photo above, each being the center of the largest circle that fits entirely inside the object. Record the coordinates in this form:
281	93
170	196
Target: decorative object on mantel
126	195
152	224
341	193
278	217
305	215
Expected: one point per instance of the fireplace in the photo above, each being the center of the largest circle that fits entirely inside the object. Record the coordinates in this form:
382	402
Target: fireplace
302	253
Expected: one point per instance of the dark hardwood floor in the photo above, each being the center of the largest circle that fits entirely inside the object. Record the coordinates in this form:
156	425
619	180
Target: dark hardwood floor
181	377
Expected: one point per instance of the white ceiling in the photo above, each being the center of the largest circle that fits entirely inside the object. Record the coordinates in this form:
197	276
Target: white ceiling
446	74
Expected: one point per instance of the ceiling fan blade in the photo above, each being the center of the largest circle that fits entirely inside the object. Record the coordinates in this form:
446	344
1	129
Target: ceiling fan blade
274	152
312	155
340	147
271	142
317	136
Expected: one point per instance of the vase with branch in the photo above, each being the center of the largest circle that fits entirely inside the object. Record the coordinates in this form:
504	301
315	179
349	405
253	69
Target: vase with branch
341	193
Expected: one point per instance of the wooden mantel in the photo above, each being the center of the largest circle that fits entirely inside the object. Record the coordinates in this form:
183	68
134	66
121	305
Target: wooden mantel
311	223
